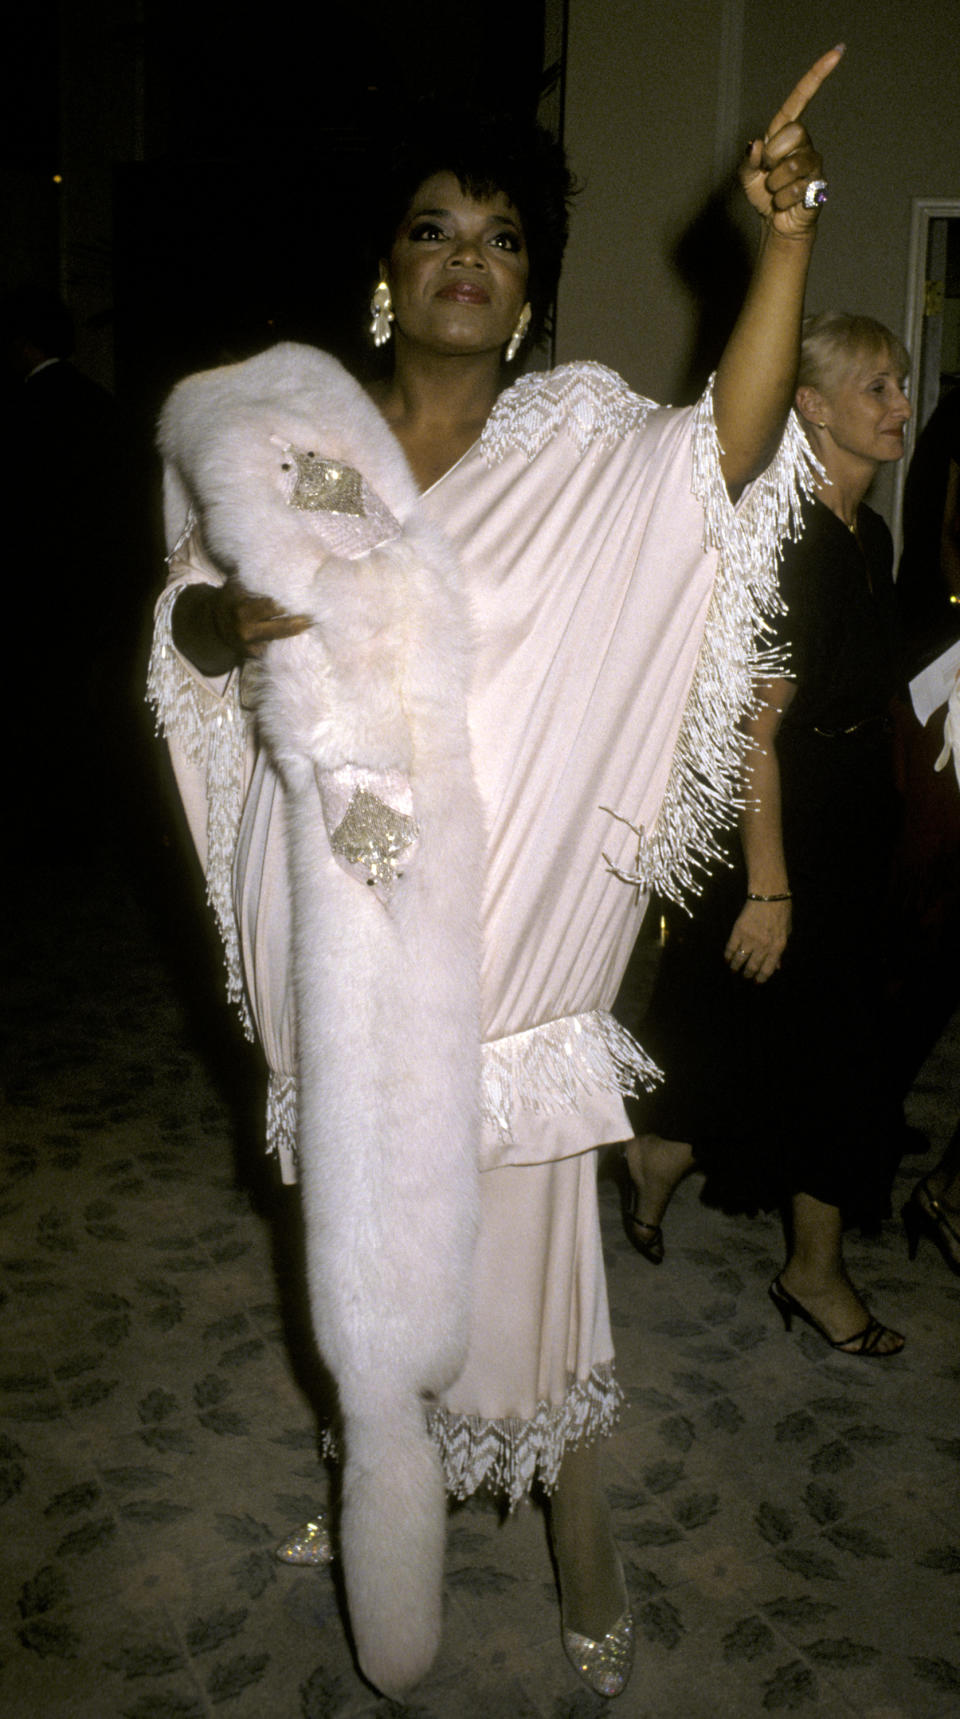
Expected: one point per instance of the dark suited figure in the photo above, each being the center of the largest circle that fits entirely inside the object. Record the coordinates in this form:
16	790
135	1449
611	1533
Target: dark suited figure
925	924
928	580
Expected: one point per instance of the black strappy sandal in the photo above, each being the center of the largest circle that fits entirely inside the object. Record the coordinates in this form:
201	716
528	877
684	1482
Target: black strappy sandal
646	1238
861	1343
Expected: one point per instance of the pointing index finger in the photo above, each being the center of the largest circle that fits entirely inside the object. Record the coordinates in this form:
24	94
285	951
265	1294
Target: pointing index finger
805	90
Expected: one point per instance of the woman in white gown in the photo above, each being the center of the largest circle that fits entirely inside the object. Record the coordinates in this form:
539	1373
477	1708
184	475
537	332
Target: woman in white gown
438	666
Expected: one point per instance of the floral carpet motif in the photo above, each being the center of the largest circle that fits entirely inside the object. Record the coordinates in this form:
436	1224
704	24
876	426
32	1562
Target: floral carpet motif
789	1518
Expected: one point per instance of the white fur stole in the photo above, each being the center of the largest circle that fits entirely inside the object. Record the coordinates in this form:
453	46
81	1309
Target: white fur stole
303	494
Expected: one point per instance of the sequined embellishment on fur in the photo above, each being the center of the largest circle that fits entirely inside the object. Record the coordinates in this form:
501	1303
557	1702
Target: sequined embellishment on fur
375	838
325	486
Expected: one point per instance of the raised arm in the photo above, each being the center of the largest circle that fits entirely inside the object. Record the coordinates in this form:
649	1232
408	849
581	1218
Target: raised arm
757	373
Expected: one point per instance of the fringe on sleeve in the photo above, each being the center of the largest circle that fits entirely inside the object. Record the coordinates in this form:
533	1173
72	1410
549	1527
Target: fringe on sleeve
703	792
209	731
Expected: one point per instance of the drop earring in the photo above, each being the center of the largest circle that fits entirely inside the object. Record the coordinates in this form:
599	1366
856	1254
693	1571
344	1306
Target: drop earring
513	344
381	309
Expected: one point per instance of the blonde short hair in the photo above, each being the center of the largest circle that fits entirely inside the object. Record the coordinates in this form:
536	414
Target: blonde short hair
834	341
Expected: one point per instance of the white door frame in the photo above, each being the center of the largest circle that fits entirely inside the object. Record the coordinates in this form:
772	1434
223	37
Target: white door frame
925	210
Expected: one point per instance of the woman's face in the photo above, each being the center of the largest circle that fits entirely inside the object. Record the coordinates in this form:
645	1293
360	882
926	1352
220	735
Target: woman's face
866	411
458	269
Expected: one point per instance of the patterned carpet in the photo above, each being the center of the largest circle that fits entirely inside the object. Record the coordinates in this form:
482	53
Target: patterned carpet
790	1519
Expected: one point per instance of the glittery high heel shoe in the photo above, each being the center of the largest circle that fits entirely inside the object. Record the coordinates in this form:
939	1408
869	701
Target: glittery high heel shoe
589	1572
311	1543
605	1665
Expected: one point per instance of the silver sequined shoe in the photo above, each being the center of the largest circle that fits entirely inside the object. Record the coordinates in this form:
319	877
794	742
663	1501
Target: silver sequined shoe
604	1665
309	1544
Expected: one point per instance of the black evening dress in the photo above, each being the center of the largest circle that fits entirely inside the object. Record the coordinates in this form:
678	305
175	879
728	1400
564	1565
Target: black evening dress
782	1088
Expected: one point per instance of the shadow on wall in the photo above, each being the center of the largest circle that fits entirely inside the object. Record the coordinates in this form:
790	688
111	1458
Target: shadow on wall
714	261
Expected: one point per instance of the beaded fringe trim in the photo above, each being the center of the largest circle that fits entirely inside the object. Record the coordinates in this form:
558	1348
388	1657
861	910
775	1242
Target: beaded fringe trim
282	1123
212	730
549	1067
510	1456
703	792
546	1069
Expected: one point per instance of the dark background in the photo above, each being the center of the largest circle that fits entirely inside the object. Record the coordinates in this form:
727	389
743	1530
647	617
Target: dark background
244	219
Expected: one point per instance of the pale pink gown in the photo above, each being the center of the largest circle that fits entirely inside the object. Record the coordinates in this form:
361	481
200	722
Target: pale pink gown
617	596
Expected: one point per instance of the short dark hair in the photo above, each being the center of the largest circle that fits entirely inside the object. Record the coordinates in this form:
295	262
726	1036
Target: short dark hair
486	152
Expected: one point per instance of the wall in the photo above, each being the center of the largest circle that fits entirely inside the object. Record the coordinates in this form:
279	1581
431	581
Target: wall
641	103
649	88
